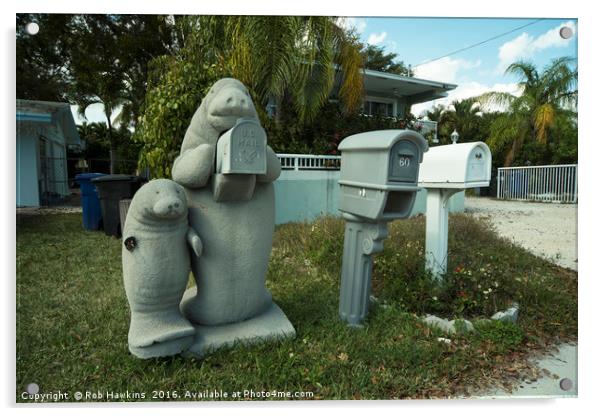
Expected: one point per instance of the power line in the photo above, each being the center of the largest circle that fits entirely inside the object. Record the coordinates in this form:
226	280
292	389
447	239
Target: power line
478	44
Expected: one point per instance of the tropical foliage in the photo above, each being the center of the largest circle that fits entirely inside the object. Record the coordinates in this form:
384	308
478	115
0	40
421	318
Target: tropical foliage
464	116
377	59
292	62
91	59
540	121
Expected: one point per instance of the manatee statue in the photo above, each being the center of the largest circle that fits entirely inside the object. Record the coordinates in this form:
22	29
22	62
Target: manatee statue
236	230
156	265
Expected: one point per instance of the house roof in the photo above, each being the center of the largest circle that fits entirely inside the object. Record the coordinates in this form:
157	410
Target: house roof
47	112
415	90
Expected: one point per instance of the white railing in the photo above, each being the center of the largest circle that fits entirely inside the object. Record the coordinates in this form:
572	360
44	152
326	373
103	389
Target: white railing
553	183
309	162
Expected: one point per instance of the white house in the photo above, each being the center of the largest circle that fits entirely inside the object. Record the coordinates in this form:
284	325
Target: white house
44	132
391	94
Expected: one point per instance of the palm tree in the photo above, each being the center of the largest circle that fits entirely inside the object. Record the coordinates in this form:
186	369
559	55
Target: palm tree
280	57
546	97
465	116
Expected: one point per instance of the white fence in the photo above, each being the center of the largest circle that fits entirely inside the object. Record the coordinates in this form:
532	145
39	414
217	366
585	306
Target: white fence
553	183
309	162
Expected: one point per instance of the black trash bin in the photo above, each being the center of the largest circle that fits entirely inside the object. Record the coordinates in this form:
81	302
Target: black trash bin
112	189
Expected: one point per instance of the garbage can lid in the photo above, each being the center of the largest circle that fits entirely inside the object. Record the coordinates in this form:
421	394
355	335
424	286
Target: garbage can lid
118	177
88	175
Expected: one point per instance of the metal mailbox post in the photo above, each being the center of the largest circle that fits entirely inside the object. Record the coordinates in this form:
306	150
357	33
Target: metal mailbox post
445	171
379	174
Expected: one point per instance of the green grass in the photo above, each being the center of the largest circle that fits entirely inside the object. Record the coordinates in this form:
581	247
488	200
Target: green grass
72	316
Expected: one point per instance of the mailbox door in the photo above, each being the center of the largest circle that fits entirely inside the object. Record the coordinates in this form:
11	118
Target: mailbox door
477	165
403	162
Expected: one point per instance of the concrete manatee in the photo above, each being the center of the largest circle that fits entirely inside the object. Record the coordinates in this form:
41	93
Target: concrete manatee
237	234
156	266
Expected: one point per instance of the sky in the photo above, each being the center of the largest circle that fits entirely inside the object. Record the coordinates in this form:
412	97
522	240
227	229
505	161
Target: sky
477	70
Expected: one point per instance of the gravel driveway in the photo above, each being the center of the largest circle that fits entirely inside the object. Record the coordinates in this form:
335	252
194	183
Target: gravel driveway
547	230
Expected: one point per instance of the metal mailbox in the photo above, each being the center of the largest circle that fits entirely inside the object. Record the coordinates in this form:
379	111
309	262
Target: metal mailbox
379	173
460	166
445	171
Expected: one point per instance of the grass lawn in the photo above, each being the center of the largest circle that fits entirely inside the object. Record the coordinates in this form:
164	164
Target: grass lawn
73	317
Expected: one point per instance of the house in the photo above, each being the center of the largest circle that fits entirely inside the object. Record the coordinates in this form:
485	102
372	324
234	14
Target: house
44	132
392	95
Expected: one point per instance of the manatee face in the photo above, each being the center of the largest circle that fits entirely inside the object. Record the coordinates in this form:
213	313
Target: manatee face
161	199
227	101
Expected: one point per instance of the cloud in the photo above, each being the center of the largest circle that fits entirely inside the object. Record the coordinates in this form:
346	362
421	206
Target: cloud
525	46
357	23
375	39
444	69
468	90
94	114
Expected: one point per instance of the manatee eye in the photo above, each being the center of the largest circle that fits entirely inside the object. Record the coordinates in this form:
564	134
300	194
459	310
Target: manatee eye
157	192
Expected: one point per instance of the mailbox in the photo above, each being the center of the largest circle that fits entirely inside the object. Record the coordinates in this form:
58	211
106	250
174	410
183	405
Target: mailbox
379	173
445	171
242	149
241	154
460	166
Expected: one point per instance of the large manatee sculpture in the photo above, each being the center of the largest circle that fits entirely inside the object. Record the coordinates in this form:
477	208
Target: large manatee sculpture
236	230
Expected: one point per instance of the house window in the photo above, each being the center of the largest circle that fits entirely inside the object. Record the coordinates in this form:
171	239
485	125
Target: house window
373	107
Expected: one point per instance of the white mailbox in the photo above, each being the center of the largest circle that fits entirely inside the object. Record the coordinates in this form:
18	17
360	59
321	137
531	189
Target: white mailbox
456	166
445	171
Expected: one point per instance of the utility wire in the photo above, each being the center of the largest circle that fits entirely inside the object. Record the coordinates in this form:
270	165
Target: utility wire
478	44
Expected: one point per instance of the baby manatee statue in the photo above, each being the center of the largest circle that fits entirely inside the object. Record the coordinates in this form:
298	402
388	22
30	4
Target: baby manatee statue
236	230
156	264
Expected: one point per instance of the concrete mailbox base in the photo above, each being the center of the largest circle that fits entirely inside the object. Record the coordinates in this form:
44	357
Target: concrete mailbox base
437	219
362	239
271	325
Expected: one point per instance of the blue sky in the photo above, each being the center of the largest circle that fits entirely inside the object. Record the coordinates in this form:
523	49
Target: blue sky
476	70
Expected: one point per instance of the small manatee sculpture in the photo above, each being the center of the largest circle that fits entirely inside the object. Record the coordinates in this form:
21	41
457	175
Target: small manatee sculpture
234	214
156	266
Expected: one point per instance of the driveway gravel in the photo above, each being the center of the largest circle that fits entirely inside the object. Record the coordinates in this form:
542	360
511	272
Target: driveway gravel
547	230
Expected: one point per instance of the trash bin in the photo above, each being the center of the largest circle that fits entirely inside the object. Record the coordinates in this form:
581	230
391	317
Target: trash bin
91	212
112	189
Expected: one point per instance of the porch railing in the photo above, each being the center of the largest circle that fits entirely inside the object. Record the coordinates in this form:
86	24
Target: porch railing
309	162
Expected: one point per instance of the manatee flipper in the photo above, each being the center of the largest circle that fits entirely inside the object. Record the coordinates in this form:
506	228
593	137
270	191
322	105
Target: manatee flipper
194	241
273	167
194	166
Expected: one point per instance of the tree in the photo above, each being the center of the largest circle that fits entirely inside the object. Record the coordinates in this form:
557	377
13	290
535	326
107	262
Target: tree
109	64
536	118
87	59
376	59
292	60
42	59
464	116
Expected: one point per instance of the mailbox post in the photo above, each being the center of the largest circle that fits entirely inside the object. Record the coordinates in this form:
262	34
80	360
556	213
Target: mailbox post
379	174
445	171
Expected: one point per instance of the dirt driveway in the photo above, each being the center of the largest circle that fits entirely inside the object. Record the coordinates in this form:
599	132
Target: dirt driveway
547	230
